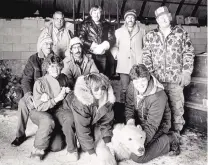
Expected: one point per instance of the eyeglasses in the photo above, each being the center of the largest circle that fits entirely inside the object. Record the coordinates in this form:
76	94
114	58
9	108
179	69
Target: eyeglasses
103	88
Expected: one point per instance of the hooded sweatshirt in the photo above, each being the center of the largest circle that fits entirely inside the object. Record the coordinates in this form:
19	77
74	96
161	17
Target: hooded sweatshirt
150	110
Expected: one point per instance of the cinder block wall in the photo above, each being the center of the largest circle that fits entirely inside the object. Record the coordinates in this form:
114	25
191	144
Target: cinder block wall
18	38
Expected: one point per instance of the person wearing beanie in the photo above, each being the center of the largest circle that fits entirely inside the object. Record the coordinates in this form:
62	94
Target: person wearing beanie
31	73
128	48
169	55
97	37
76	63
147	106
60	33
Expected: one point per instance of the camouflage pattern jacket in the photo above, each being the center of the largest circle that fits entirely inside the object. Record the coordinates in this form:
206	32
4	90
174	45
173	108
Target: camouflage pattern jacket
167	58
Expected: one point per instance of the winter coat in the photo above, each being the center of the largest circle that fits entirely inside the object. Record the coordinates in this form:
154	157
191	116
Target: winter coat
89	33
87	114
128	48
167	58
32	72
151	110
45	90
60	42
73	70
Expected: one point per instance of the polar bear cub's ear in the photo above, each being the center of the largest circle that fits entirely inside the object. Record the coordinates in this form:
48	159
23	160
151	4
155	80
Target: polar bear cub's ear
139	126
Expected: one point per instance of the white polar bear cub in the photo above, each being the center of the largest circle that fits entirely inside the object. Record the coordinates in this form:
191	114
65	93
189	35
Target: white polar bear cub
128	139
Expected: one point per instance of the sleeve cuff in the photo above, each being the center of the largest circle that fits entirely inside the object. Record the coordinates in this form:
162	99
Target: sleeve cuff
91	151
107	139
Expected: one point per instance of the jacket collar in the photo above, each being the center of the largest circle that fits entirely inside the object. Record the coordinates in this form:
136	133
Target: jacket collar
41	54
84	95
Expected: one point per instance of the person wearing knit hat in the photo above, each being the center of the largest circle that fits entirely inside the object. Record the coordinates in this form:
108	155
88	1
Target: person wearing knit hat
76	62
130	12
97	37
173	65
31	73
128	48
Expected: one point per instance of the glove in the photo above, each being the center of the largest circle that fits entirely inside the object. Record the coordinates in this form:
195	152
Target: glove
29	100
99	50
130	122
44	97
110	146
184	79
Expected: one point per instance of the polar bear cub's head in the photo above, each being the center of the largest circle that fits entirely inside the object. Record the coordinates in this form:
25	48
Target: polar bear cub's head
129	139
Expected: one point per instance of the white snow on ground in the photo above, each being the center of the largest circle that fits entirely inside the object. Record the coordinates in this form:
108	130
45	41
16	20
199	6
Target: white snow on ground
194	148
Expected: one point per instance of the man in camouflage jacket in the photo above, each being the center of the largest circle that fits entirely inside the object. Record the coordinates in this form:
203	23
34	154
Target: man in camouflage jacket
169	55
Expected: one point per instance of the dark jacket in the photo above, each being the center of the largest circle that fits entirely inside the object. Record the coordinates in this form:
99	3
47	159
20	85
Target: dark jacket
32	72
89	33
150	110
87	114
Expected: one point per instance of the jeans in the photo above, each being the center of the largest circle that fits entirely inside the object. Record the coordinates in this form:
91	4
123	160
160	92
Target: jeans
100	62
176	103
125	79
66	120
22	117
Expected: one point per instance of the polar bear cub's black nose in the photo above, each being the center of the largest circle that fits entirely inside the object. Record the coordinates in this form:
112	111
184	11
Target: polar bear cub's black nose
141	149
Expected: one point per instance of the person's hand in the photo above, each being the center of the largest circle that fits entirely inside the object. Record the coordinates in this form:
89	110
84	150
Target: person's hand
99	50
184	79
61	95
29	100
44	97
130	122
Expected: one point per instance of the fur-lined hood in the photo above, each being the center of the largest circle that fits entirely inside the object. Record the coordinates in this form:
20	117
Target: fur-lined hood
84	95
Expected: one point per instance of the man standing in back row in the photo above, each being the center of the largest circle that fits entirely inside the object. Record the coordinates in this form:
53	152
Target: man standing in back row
169	56
60	33
97	37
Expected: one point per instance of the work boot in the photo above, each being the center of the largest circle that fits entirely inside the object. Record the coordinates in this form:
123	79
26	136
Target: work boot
18	141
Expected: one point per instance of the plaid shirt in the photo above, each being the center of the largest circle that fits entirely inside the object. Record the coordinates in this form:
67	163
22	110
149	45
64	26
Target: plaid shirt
168	57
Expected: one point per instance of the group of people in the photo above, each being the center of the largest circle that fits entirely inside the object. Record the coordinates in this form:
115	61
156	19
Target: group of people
68	94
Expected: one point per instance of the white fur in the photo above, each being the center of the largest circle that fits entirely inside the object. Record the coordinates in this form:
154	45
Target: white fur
127	139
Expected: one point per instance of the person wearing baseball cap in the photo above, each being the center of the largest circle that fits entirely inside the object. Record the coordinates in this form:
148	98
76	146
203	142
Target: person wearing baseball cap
128	48
76	63
169	55
31	73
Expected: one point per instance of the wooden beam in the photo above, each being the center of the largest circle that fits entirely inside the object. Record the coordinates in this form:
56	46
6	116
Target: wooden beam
163	2
78	9
170	2
142	9
123	7
196	8
179	7
54	5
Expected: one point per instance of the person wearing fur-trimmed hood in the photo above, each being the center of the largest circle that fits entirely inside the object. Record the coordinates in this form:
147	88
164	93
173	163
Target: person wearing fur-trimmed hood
91	105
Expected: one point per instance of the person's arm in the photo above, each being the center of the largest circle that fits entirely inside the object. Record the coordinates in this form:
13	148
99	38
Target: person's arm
47	103
147	53
188	60
83	36
129	104
165	123
155	113
27	81
82	119
106	124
